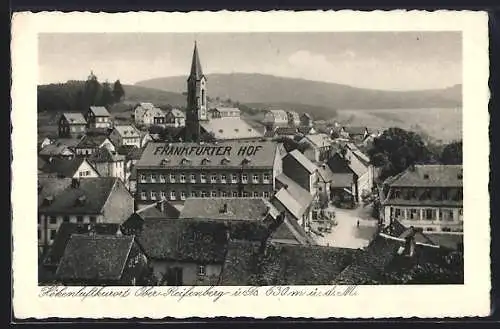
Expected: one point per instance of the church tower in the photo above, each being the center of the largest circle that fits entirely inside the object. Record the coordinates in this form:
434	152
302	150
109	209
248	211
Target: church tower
196	110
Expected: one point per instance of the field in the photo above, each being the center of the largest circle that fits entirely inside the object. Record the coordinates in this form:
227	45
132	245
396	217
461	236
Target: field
441	124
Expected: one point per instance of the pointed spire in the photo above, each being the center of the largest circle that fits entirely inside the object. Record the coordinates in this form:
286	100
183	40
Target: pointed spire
196	71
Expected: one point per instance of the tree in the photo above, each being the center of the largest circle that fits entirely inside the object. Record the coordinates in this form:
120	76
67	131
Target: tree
396	149
107	97
452	153
118	91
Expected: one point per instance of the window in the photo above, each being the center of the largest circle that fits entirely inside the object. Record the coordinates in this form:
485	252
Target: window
172	178
223	178
53	234
203	178
255	178
213	179
183	178
429	229
183	195
266	194
396	194
193	178
153	195
213	194
444	194
162	178
153	178
52	220
429	214
245	194
93	219
193	194
163	195
234	178
201	270
413	214
143	178
397	212
244	178
39	235
448	215
235	194
266	178
460	195
461	212
203	194
223	194
143	195
446	229
172	195
255	194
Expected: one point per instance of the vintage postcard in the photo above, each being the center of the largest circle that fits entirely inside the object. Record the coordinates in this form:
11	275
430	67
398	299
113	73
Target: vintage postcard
296	164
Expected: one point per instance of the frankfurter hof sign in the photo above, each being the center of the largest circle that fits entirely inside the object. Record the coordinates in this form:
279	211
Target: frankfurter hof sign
202	150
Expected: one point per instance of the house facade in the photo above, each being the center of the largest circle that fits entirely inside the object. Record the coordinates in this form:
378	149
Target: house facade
98	117
76	167
72	125
362	168
108	163
425	196
175	118
177	171
224	112
125	135
275	118
293	118
91	143
318	146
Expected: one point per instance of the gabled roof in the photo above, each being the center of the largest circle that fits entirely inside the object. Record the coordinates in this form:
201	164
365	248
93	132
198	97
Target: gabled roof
55	149
318	140
99	111
87	198
63	167
196	71
285	131
95	257
302	196
51	187
145	106
91	141
338	165
64	234
302	160
177	113
239	263
284	199
237	208
103	154
154	210
69	142
74	118
230	128
289	231
325	174
227	109
127	131
430	176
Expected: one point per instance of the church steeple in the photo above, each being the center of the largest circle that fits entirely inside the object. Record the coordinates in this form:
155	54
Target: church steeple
196	110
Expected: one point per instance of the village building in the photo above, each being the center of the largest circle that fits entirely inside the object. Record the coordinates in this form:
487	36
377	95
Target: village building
98	117
364	171
425	196
306	120
342	182
224	112
72	125
354	133
318	146
277	132
125	135
108	163
91	143
275	118
177	171
175	118
293	118
43	141
90	200
76	167
56	150
139	111
230	128
91	259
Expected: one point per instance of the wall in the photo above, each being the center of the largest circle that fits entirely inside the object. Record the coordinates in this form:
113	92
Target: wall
85	167
107	144
45	228
439	218
189	270
120	204
296	172
277	166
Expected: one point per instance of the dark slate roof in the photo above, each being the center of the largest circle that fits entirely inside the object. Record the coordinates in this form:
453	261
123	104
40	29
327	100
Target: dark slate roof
63	167
91	141
67	229
342	180
51	187
55	149
304	130
325	173
154	210
338	165
196	71
430	176
449	241
98	257
285	264
237	208
215	154
240	263
69	142
100	111
301	159
184	240
103	154
289	231
95	192
41	163
126	149
74	118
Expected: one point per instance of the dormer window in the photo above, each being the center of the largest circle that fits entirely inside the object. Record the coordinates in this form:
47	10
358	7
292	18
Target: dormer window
426	176
246	160
185	160
164	161
48	200
225	160
205	161
81	200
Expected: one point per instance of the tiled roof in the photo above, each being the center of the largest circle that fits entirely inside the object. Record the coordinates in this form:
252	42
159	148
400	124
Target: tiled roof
227	109
146	106
75	118
325	173
289	231
230	128
304	130
184	240
100	111
55	149
430	176
94	257
303	161
103	154
296	191
281	131
127	131
51	187
91	141
284	199
177	113
239	263
221	154
152	211
69	142
237	208
318	140
67	229
342	180
63	167
88	198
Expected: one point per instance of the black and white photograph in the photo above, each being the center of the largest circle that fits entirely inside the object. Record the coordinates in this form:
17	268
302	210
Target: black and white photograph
201	160
250	158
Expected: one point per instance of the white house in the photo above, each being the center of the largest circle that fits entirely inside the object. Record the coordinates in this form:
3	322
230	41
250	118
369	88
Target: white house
362	168
318	146
175	118
125	135
77	167
275	118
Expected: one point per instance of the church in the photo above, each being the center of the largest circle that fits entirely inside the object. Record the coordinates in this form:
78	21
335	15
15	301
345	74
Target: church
200	126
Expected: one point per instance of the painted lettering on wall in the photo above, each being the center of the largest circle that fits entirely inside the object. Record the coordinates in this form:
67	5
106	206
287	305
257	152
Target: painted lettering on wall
246	150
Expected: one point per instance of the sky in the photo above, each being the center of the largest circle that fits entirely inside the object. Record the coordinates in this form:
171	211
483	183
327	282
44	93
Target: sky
375	60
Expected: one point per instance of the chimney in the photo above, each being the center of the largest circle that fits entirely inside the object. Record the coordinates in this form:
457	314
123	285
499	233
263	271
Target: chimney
75	183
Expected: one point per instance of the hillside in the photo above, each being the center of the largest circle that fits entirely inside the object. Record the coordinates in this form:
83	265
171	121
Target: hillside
267	89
